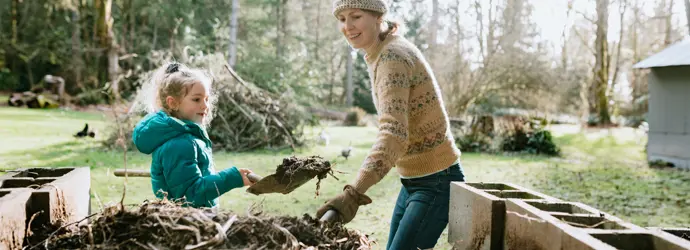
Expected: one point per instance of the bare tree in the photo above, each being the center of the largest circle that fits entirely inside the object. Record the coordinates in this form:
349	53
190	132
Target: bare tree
668	24
15	19
623	6
232	48
564	48
76	49
636	73
348	82
281	27
601	66
108	43
687	13
433	31
316	31
480	28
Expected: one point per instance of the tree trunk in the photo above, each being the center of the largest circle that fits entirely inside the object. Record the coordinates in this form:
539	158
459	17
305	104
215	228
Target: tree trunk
490	39
173	34
316	31
669	26
633	46
623	9
102	22
108	43
349	72
113	58
77	61
480	29
126	5
14	18
232	48
281	25
687	13
564	48
132	23
433	31
601	67
459	37
100	42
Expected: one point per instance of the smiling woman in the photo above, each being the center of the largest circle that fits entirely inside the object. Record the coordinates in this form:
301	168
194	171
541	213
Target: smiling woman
413	134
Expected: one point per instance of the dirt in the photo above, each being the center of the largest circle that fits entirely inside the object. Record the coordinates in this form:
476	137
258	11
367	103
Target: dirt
296	168
514	242
481	226
165	225
292	173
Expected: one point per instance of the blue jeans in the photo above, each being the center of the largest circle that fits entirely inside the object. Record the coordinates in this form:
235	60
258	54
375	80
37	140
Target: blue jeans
421	212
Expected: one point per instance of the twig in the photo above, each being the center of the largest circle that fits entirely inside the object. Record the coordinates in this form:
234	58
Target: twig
98	199
91	241
191	229
28	225
527	217
237	77
240	108
45	242
290	237
585	226
229	223
139	244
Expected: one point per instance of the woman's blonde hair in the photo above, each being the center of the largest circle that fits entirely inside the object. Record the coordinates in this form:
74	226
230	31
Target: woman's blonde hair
176	80
392	25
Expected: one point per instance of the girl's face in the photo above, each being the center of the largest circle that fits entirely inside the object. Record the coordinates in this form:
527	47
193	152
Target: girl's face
194	105
360	28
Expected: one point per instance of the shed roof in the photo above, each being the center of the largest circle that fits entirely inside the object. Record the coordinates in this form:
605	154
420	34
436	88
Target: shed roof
677	54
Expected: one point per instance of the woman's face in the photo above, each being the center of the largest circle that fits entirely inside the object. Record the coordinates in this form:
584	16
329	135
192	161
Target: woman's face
361	28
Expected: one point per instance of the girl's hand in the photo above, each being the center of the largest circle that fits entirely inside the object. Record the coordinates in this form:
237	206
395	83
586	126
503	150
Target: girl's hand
245	180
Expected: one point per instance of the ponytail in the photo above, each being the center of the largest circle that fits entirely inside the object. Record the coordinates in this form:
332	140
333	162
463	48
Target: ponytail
392	28
392	25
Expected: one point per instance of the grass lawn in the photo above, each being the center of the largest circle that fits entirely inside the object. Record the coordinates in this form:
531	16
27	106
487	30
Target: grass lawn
605	169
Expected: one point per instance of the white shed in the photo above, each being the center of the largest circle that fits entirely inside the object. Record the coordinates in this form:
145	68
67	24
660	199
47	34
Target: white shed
669	104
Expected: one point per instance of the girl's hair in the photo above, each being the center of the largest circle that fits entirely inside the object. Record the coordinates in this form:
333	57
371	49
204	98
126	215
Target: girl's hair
392	25
174	79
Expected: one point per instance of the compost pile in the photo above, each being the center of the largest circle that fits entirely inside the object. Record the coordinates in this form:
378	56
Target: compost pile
163	224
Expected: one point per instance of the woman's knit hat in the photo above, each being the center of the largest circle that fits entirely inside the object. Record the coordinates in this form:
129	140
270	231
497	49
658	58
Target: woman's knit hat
373	5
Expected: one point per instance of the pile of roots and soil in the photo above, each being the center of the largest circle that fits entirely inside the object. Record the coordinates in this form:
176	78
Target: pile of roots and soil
166	225
292	173
295	167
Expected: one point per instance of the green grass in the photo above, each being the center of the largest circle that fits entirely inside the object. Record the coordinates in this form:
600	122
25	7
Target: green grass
605	171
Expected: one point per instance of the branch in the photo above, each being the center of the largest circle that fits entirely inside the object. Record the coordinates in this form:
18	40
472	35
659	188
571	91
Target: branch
584	41
623	8
585	16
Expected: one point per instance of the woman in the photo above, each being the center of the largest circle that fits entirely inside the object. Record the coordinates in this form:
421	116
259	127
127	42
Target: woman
413	135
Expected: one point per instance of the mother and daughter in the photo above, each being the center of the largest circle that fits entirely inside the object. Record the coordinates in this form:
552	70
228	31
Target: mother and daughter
413	133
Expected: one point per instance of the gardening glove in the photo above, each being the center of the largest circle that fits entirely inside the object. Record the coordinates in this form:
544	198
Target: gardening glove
346	204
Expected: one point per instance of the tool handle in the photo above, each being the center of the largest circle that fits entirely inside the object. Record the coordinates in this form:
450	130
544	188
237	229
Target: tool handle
132	173
330	215
254	177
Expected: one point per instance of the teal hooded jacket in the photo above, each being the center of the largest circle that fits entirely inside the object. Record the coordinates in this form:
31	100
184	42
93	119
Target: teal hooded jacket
182	162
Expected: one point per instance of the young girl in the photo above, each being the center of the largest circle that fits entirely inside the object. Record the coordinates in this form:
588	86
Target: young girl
182	164
414	132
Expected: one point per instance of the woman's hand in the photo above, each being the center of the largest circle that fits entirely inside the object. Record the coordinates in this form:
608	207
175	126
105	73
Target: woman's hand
244	172
346	204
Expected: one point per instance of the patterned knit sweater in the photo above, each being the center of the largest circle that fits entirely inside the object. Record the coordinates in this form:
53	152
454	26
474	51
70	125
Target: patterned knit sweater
414	130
